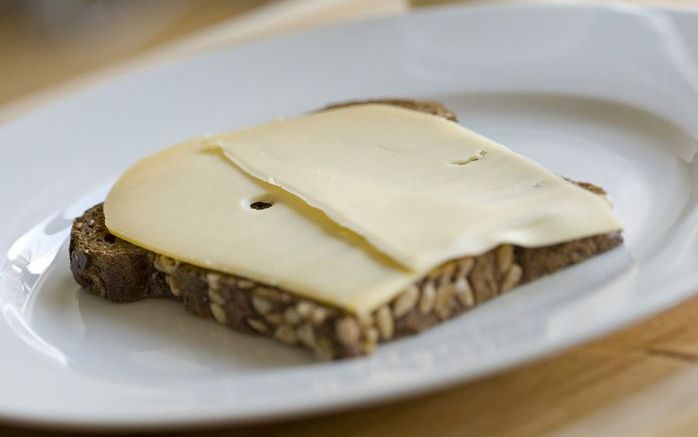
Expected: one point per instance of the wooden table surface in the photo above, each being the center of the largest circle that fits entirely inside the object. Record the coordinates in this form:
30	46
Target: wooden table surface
642	380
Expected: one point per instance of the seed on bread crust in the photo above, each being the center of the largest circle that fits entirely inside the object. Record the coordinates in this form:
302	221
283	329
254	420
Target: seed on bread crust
273	295
218	313
216	296
213	280
371	340
447	273
426	301
304	308
347	331
172	283
463	292
291	316
512	278
306	335
442	302
406	301
465	265
262	305
165	264
384	321
257	325
505	257
244	284
318	315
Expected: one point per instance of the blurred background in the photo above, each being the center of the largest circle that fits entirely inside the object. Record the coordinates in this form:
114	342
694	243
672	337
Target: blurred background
45	43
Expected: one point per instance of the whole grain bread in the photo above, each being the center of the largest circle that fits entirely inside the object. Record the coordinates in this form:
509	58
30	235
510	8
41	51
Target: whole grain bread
122	272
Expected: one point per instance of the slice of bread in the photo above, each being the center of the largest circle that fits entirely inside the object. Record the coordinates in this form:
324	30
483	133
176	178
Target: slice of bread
122	272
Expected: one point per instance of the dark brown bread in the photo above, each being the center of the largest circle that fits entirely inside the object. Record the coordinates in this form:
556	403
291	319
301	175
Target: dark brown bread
122	272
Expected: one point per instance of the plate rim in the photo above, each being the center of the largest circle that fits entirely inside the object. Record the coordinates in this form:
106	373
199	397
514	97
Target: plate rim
416	388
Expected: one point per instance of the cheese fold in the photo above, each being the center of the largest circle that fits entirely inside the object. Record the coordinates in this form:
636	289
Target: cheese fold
419	188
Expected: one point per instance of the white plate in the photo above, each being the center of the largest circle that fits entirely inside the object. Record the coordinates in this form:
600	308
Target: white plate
605	94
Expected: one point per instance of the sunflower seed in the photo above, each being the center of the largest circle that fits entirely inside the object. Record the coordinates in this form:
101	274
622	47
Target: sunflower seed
370	340
172	283
261	305
384	320
218	313
165	264
426	302
291	316
505	257
372	335
465	266
306	335
257	325
365	320
464	292
442	304
304	308
216	296
213	280
446	275
318	315
244	284
406	301
512	278
347	330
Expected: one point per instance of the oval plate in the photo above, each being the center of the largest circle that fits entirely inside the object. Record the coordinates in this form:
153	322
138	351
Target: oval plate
604	94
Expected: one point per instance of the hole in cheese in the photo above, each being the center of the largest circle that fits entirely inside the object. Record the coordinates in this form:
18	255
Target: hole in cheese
260	205
258	202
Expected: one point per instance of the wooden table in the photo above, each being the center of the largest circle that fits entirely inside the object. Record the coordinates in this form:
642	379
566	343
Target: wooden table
642	380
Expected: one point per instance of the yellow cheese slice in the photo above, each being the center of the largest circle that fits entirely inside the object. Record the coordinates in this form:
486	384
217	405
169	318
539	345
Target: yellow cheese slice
189	202
364	201
419	188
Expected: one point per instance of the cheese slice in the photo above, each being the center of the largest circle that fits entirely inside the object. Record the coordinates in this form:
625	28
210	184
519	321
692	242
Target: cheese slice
364	200
189	202
419	188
